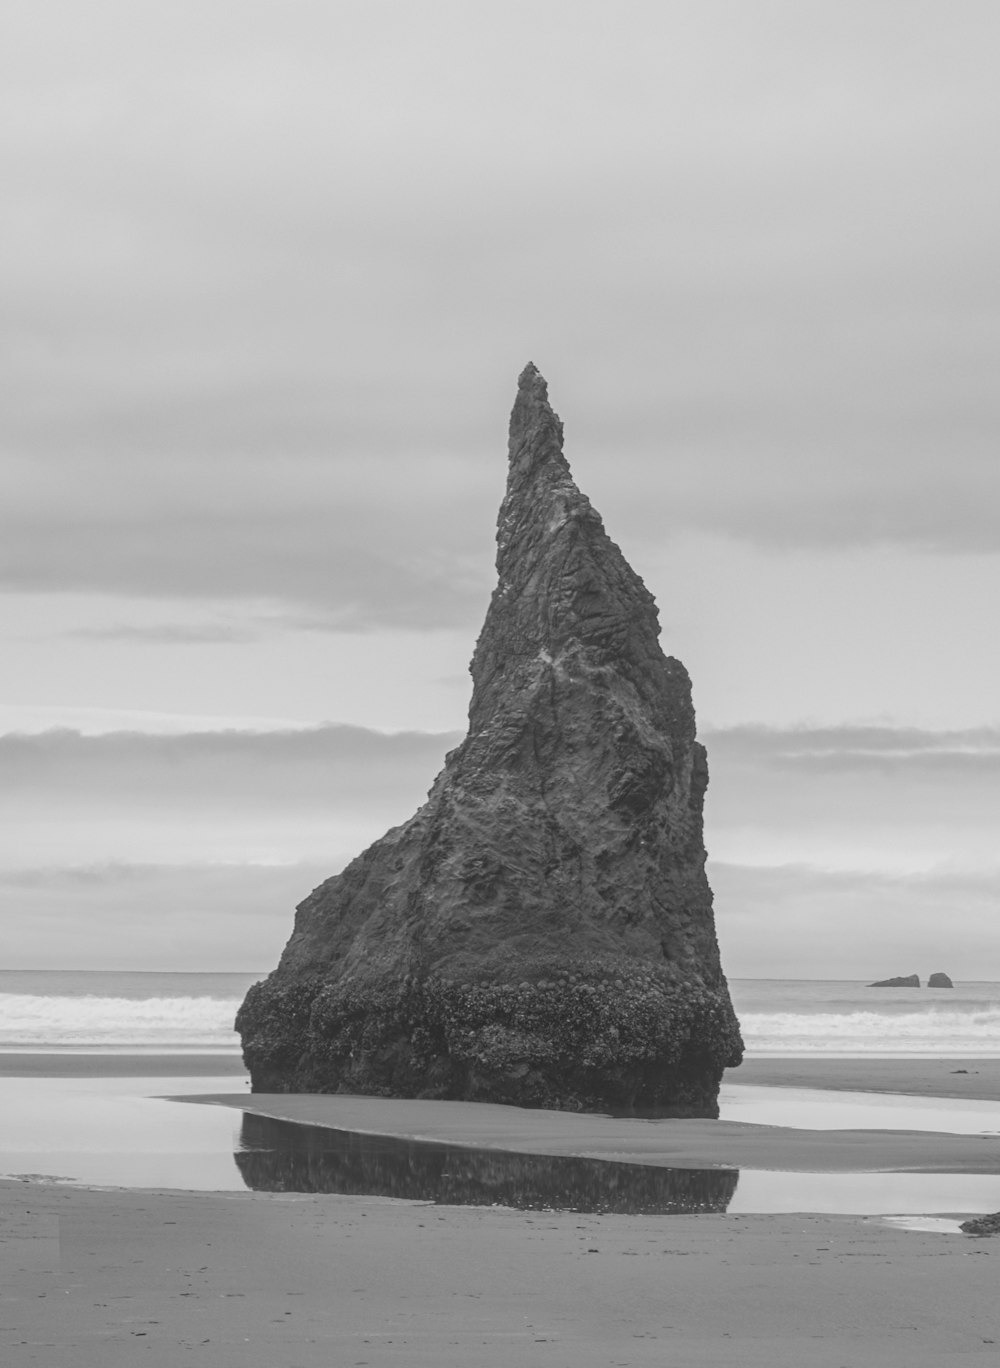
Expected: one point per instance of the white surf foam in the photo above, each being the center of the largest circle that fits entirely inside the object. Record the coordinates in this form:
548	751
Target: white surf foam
920	1033
196	1023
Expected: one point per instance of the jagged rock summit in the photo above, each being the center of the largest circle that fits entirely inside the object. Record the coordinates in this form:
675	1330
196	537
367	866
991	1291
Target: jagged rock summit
541	930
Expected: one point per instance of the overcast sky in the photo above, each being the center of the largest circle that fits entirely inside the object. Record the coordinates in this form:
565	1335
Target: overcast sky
268	273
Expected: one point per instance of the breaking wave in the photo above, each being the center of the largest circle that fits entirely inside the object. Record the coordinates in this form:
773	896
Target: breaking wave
917	1033
34	1021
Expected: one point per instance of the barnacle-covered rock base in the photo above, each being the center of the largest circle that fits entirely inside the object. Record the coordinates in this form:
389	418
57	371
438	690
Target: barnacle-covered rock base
541	931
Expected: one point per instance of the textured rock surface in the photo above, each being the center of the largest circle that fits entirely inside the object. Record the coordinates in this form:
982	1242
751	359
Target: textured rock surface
982	1225
904	981
939	981
541	930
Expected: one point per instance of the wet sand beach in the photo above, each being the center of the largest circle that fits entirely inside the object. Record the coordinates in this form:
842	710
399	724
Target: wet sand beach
118	1278
917	1077
677	1143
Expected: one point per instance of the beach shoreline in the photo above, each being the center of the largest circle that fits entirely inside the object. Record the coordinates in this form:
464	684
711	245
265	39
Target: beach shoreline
960	1076
112	1278
792	1130
671	1143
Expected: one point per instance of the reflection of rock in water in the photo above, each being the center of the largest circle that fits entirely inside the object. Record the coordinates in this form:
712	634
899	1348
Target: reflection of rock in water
283	1156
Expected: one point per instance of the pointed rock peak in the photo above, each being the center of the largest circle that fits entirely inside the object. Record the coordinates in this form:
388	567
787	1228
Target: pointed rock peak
540	487
531	378
536	433
532	389
561	580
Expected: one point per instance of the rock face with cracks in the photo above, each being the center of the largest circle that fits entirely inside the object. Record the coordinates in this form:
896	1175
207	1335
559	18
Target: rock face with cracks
540	932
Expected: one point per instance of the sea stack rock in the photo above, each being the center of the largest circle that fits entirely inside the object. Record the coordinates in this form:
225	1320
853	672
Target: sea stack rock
903	981
939	981
540	932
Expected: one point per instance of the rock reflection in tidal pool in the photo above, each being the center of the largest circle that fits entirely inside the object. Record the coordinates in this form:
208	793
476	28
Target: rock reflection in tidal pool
285	1156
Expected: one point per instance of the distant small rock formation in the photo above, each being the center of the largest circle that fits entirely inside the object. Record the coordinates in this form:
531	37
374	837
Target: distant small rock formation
913	981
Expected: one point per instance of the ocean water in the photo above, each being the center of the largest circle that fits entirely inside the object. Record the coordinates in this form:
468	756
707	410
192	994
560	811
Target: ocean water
112	1011
840	1017
123	1012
